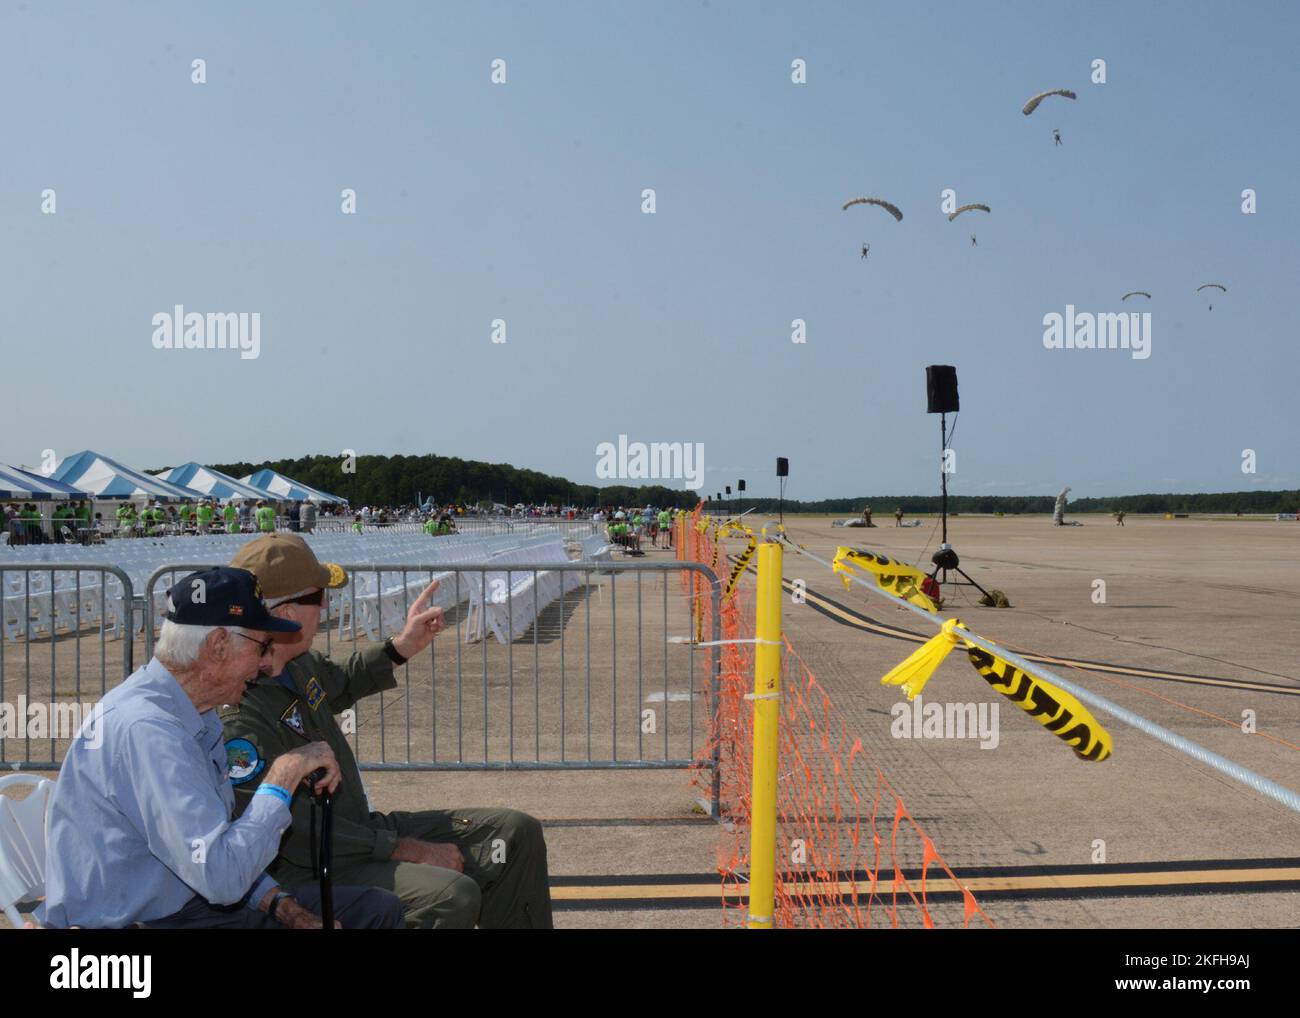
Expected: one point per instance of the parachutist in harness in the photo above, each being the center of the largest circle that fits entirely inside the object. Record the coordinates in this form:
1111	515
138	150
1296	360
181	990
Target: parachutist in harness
866	250
973	242
1056	135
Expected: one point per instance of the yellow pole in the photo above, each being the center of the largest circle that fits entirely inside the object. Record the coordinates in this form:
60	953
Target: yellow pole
767	713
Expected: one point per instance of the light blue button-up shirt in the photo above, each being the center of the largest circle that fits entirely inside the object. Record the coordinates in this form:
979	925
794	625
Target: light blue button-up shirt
140	821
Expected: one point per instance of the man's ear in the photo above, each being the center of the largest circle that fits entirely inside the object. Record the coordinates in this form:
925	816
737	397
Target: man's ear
218	643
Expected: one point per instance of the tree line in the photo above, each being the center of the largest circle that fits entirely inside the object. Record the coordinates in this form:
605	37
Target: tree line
398	480
884	505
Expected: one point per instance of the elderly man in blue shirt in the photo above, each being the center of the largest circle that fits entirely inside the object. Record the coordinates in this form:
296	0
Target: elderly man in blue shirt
140	824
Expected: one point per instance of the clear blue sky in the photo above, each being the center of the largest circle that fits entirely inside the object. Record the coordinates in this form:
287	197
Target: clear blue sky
522	201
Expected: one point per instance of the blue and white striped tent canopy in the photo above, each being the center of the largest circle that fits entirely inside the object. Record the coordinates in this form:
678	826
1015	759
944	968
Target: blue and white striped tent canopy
106	478
287	488
17	484
213	483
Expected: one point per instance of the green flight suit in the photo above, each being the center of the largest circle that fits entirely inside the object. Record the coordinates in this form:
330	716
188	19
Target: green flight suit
505	883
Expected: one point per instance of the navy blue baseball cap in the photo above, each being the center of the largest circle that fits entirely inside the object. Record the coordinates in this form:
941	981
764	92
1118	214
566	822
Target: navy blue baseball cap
223	597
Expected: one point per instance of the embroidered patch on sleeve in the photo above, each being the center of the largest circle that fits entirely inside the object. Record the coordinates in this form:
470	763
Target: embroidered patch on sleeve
314	693
292	719
243	762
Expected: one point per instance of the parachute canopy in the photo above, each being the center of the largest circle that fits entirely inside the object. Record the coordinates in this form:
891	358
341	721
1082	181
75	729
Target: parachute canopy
968	208
889	207
1216	286
1136	293
1033	103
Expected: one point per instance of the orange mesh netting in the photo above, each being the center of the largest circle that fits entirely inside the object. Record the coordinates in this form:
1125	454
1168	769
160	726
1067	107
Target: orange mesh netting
849	854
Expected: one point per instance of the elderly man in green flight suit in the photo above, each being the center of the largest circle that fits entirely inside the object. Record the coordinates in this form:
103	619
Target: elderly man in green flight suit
453	868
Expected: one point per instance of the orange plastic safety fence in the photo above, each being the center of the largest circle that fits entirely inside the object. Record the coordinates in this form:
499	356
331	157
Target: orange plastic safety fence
849	854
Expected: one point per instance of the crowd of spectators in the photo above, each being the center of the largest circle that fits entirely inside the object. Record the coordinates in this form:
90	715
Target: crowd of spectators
76	521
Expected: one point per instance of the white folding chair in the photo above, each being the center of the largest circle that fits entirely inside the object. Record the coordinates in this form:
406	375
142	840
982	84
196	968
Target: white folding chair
22	843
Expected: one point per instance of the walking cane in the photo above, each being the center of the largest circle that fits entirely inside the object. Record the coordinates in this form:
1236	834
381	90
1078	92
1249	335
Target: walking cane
326	868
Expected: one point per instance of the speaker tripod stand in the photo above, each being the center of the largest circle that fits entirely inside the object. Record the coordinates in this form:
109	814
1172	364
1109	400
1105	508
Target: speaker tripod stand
945	559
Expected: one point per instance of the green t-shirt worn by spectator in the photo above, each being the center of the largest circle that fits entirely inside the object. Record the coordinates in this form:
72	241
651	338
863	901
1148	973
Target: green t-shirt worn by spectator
205	515
665	520
266	518
431	527
356	527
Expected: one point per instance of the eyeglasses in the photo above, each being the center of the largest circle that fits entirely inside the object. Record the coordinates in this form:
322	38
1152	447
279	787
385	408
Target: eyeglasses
262	645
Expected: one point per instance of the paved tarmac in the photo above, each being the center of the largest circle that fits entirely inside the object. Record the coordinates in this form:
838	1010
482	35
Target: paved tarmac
1204	600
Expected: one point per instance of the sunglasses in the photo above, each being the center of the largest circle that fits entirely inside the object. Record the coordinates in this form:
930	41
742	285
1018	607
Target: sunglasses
315	600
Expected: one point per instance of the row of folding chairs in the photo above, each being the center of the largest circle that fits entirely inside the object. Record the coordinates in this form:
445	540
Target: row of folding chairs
508	602
39	603
375	601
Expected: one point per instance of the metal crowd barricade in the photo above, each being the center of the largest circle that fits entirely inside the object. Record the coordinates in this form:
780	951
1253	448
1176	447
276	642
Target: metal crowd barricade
539	673
50	611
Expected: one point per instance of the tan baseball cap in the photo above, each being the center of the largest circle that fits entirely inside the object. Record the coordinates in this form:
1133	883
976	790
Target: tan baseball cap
285	564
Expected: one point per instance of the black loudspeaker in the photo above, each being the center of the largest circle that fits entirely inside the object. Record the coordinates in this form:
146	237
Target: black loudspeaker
728	489
941	389
782	467
719	496
740	485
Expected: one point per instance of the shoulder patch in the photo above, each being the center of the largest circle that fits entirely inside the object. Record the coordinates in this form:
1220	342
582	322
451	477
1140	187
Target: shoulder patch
314	693
292	719
243	762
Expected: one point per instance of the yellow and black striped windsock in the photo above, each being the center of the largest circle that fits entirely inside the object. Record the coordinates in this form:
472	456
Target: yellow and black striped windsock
1056	710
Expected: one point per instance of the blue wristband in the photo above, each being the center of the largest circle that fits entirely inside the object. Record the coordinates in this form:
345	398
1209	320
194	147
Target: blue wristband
280	793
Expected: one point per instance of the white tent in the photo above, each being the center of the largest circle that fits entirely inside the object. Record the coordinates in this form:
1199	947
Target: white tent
288	489
214	483
107	478
18	485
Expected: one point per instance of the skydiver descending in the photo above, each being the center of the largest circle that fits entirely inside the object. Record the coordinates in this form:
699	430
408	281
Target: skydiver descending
973	242
866	250
1056	135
